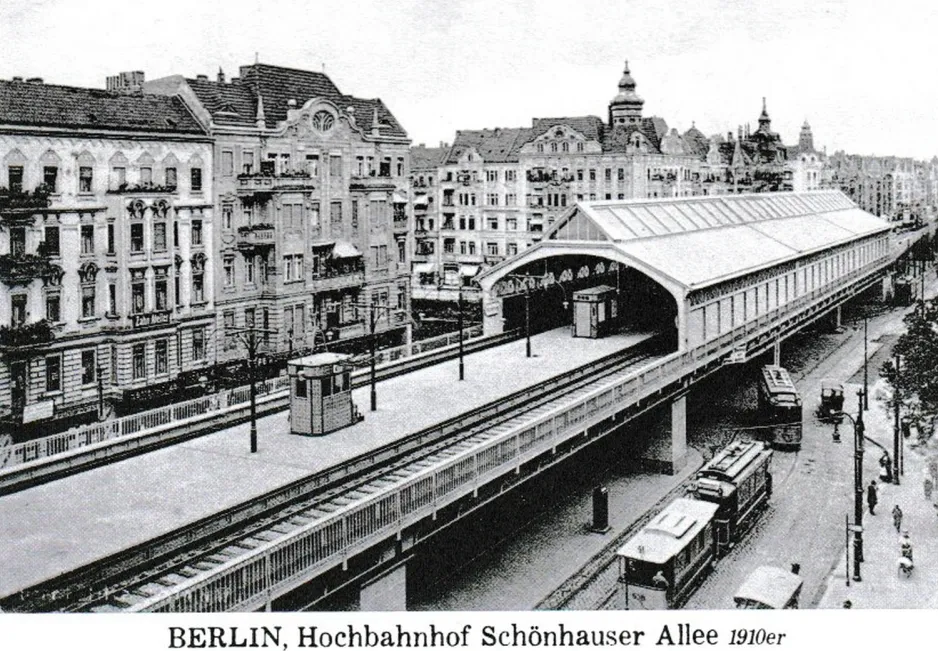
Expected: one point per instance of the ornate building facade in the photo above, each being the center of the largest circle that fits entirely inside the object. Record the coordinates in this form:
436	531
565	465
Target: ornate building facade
106	249
311	217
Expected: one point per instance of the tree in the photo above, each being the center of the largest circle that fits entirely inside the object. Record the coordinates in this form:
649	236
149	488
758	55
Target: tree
917	348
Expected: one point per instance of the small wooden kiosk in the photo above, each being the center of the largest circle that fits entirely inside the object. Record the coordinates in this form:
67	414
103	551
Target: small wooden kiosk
321	394
595	311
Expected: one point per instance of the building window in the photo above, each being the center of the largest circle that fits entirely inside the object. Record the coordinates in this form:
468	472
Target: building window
511	199
621	173
579	146
171	178
492	223
110	239
335	212
15	178
87	367
512	248
401	251
472	248
118	177
161	358
53	308
18	309
511	175
292	268
492	248
196	232
592	174
112	299
50	178
608	173
226	211
312	165
380	256
160	290
159	236
335	166
579	175
228	265
138	291
198	344
87	300
146	176
139	361
250	269
84	179
136	238
227	163
195	179
53	373
400	167
87	239
51	240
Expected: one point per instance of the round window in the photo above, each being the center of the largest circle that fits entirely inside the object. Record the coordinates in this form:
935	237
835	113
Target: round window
323	121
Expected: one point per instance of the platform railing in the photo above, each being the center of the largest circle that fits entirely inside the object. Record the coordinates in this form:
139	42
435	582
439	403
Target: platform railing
283	564
223	401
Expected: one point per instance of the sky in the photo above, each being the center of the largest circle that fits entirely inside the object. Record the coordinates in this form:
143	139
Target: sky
860	72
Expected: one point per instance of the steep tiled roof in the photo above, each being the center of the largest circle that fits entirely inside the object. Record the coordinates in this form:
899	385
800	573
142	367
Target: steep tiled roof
617	138
696	142
493	145
590	126
426	158
232	103
236	103
48	105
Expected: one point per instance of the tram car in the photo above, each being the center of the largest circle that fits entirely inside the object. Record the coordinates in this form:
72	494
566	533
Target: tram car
738	481
661	565
780	408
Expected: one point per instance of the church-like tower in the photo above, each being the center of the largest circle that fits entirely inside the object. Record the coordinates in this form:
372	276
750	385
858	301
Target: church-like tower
626	107
806	138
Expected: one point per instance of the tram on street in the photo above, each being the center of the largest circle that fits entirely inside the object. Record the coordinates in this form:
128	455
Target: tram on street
769	588
738	480
661	565
780	408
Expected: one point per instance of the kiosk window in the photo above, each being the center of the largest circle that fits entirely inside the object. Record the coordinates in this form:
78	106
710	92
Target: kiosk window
301	387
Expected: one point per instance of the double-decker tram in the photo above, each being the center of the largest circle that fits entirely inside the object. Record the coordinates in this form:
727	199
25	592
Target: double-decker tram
661	565
780	408
738	481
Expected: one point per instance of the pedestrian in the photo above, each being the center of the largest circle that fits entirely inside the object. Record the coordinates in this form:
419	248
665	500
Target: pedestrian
897	518
871	497
848	604
905	546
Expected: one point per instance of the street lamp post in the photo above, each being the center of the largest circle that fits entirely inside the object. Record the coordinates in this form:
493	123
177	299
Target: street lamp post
372	306
858	430
897	434
248	337
527	318
866	387
462	371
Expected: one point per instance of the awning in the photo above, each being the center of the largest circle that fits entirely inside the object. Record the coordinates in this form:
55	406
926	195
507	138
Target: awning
397	197
345	249
424	268
422	200
323	244
468	270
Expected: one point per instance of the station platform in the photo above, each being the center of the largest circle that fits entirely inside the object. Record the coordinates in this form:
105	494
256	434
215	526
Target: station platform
56	527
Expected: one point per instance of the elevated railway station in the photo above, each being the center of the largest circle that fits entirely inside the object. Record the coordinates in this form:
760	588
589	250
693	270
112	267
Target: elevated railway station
630	303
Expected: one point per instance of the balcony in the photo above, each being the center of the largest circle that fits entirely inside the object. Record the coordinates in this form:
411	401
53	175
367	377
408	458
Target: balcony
335	281
23	268
142	188
25	336
23	204
371	183
256	236
266	184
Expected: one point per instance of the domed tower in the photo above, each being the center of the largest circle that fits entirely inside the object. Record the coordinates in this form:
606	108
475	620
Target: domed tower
806	138
626	107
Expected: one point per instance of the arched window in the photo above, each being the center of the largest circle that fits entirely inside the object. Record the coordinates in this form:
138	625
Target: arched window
540	148
565	147
579	146
553	147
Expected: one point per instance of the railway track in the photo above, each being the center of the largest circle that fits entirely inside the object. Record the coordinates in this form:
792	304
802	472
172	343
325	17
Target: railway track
119	582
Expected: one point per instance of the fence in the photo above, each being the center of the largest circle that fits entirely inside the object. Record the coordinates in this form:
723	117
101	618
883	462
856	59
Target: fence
21	453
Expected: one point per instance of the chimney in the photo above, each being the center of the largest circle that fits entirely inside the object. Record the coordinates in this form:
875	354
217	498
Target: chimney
34	80
221	76
126	82
202	77
729	136
17	79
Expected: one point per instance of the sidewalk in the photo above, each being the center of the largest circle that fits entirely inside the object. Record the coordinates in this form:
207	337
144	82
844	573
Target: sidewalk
882	585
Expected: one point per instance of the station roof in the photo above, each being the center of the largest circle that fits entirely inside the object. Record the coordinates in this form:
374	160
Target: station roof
700	241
